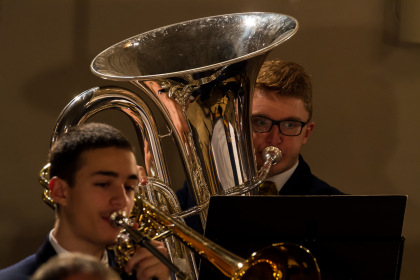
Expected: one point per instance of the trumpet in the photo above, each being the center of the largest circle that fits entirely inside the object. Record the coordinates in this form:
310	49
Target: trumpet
279	261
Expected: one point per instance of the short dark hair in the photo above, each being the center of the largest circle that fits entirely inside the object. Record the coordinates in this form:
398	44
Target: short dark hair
286	78
73	264
64	155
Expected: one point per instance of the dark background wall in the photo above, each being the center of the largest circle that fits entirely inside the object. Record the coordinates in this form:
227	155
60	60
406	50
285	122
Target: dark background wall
365	77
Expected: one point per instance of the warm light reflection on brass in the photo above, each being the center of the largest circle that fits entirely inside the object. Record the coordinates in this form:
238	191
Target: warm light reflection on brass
277	262
199	75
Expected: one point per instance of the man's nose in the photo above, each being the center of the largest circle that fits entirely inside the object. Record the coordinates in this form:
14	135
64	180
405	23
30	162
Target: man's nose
274	136
119	197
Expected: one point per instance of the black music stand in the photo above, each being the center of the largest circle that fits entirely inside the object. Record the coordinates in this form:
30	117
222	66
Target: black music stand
352	237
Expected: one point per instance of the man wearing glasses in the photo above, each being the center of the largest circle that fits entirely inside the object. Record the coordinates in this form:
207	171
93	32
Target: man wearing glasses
281	117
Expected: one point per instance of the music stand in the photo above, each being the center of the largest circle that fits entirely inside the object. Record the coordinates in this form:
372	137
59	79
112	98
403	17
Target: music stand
352	237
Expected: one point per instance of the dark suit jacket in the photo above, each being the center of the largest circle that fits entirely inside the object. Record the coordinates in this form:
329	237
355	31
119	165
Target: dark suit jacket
24	269
303	182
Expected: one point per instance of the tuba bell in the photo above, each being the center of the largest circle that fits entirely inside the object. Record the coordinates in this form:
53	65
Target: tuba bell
200	74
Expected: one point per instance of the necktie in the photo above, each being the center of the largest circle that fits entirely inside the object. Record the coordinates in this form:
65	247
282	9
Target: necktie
268	188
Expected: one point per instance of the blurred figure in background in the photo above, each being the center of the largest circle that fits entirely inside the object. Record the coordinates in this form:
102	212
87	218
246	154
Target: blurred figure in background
72	266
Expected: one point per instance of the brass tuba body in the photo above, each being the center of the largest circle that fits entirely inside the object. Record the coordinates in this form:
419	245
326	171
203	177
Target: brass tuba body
200	74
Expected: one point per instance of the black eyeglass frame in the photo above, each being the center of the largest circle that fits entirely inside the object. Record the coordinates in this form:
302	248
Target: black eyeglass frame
273	122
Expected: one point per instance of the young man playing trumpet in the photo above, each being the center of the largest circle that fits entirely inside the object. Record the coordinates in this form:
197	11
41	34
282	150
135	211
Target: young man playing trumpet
93	174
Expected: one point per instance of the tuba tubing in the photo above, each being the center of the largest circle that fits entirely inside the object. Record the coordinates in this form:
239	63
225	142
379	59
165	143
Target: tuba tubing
200	74
97	99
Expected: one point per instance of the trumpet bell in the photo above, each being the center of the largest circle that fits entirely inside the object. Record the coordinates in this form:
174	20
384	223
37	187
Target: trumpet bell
280	261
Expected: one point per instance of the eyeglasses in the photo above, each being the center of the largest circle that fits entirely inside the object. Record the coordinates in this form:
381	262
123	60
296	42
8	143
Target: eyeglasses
288	128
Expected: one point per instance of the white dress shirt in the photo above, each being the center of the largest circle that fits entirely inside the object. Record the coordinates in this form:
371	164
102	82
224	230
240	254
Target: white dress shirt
281	179
60	250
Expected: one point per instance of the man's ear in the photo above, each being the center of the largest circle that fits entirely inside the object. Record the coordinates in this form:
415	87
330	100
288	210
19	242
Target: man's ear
309	128
58	190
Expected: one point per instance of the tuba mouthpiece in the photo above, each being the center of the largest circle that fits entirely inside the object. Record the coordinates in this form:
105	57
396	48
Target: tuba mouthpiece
272	153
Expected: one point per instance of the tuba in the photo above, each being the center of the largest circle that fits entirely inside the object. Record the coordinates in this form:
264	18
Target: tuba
200	76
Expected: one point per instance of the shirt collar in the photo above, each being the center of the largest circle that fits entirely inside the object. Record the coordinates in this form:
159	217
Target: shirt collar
281	179
60	250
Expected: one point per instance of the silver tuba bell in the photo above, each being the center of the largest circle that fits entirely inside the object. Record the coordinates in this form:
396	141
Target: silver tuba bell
200	74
